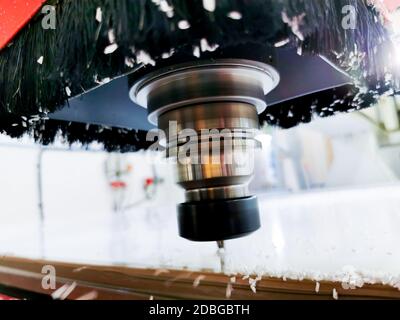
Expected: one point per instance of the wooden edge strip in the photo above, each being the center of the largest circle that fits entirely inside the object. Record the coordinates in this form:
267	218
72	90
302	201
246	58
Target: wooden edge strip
115	282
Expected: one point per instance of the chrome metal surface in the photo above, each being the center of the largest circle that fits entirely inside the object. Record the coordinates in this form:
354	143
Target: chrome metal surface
218	193
215	163
226	80
209	113
209	121
214	146
215	155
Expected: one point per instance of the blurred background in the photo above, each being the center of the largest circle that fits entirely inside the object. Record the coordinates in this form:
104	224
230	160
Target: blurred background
328	191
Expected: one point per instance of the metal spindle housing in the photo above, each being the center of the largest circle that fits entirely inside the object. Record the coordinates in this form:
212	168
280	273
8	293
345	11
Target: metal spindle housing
209	112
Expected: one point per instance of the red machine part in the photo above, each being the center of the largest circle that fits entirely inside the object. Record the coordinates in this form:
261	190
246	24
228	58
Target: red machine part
14	15
118	185
4	297
148	182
